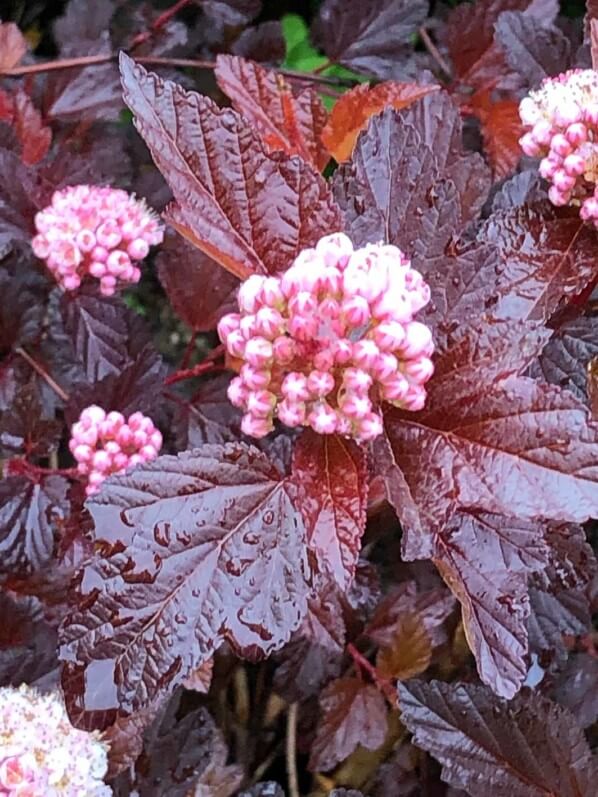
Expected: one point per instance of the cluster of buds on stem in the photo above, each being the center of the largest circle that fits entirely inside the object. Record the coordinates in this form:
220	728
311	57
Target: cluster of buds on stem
561	118
323	344
105	443
103	232
41	754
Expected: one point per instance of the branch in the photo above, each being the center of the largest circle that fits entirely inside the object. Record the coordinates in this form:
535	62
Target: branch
291	750
435	52
39	369
150	60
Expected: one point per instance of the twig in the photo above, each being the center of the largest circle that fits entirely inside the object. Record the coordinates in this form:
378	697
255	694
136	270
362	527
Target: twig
189	351
383	684
153	60
203	367
38	368
435	52
291	750
159	22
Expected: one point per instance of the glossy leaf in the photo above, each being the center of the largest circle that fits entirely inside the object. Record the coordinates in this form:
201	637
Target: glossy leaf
331	478
352	112
248	210
352	713
409	652
475	736
286	121
211	544
485	560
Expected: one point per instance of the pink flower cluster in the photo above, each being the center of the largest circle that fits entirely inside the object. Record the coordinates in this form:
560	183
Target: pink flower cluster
41	754
105	443
562	121
99	231
329	339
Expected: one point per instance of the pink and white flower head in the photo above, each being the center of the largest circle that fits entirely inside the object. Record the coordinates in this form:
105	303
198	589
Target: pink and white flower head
41	754
330	339
106	443
561	121
97	231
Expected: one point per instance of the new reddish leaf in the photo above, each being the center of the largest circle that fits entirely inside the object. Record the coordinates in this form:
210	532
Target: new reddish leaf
197	548
528	747
13	45
249	210
353	713
288	122
485	560
331	477
352	112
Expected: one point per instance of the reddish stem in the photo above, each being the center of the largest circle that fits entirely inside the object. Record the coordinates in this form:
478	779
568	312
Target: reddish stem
434	52
203	367
21	467
39	369
382	684
151	60
159	22
188	351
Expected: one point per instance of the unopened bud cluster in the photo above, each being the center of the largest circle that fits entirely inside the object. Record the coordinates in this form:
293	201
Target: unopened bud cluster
103	232
105	443
41	754
330	339
562	121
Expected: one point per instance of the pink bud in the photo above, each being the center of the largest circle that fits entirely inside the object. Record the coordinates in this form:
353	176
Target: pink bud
227	324
156	439
138	249
294	387
385	366
395	388
82	453
303	303
112	448
247	326
93	414
560	145
303	328
577	134
528	111
237	393
355	406
268	322
258	352
365	353
135	421
322	418
85	240
98	269
255	378
589	209
71	283
574	165
334	248
101	461
291	413
324	360
329	309
320	383
418	370
108	235
369	427
256	427
124	436
284	350
567	114
557	197
107	285
418	339
529	145
548	167
235	343
388	335
249	293
415	399
543	132
271	293
356	380
356	311
148	453
563	181
120	461
260	403
342	351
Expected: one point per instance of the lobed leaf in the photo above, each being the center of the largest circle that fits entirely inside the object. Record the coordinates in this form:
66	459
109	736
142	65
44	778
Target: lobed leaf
249	210
528	747
198	547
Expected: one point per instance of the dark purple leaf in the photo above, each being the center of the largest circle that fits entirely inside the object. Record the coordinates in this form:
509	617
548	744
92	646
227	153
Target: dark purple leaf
565	359
526	747
197	287
370	37
485	560
576	688
105	334
264	42
330	473
353	713
232	12
210	418
23	293
535	51
521	189
559	595
314	654
248	210
28	515
266	789
211	544
24	429
27	641
22	193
